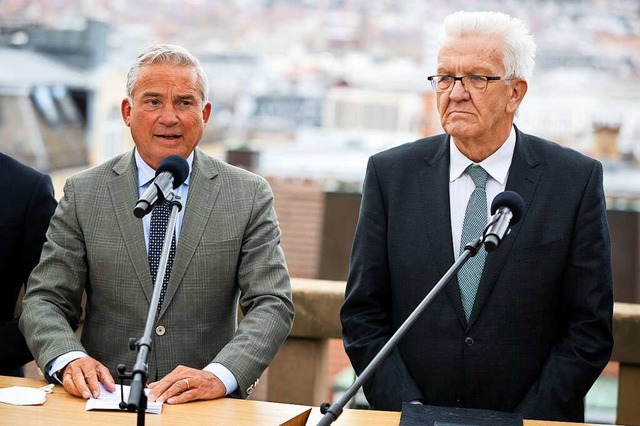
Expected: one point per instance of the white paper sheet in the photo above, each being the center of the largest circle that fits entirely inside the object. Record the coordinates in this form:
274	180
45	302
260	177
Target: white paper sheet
111	400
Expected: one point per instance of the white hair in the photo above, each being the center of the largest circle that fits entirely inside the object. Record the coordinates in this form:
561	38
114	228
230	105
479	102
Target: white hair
167	54
519	47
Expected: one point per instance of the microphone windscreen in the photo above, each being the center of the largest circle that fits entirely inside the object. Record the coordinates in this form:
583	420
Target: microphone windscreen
177	166
512	201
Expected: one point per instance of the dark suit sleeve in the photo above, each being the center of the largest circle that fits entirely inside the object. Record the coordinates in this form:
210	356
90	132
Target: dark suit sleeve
41	208
41	205
14	351
365	314
577	359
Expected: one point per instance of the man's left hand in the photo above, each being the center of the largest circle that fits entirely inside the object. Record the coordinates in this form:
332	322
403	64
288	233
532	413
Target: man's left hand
186	384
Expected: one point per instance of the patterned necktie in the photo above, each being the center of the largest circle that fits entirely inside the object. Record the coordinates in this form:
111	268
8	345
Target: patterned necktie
475	220
159	220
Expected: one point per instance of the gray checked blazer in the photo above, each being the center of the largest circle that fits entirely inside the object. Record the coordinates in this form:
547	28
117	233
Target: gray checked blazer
228	255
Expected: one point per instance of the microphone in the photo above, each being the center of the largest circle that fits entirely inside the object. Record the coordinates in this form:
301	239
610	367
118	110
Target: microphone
507	209
173	171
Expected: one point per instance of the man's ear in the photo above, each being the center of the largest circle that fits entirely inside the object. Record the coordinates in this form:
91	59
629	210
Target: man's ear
125	110
206	112
518	90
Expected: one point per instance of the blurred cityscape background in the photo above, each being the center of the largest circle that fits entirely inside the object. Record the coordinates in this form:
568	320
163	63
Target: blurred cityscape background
304	91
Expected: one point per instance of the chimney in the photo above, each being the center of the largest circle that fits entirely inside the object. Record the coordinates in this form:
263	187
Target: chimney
605	137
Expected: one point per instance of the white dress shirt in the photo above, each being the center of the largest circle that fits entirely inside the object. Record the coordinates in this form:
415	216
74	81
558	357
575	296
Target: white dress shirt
461	185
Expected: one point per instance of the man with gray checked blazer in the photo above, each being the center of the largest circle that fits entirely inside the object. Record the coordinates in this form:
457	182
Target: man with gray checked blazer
228	251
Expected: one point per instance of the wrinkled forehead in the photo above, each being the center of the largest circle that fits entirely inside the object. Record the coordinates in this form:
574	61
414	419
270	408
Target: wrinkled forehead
476	52
160	75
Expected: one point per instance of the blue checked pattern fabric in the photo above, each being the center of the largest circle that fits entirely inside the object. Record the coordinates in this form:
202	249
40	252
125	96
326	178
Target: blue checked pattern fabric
159	221
475	220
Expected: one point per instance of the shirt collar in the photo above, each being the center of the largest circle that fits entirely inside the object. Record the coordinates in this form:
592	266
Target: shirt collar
497	165
146	174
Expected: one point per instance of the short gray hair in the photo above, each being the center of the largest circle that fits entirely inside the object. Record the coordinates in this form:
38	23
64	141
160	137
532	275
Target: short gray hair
519	47
167	54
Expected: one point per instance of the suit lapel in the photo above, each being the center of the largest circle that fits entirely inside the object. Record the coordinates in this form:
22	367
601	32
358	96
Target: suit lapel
203	191
124	192
524	175
434	193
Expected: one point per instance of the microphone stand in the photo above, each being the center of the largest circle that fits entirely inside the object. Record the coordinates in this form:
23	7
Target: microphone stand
140	373
333	411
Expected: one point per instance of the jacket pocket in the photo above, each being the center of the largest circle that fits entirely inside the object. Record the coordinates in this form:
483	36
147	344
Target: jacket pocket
544	249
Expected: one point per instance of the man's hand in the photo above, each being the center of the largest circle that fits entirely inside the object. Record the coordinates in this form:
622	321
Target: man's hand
186	384
81	376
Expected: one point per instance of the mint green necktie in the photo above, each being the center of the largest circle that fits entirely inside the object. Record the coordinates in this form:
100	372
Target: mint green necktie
475	220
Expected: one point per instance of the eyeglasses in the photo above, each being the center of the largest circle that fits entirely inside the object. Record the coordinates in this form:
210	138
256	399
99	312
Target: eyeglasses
440	83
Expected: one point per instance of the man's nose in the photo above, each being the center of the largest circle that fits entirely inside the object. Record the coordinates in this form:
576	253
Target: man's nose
168	116
458	91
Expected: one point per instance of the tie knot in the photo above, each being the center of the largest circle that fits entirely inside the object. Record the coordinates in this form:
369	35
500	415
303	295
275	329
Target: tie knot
478	174
163	207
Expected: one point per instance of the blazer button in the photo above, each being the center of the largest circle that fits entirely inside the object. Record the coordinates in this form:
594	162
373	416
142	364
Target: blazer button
468	341
160	330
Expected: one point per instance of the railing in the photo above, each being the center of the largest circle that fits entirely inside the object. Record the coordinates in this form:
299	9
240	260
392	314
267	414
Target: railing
298	374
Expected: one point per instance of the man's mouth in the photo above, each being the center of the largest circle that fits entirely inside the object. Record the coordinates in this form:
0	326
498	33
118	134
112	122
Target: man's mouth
169	137
458	114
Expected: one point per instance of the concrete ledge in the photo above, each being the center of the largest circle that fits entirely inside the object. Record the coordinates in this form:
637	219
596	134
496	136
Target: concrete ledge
298	373
626	333
317	305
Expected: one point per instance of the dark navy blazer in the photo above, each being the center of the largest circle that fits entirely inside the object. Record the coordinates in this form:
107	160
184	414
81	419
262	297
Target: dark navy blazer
26	205
540	330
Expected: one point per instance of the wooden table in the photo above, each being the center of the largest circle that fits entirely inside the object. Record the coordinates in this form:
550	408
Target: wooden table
64	409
